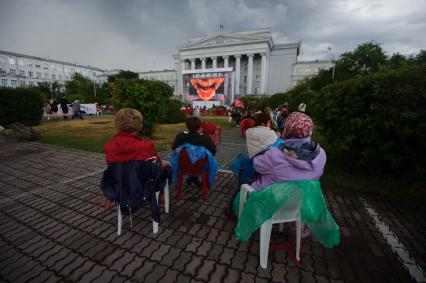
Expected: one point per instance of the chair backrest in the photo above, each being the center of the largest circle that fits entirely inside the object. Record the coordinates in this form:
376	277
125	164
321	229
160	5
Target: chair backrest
291	208
208	128
186	166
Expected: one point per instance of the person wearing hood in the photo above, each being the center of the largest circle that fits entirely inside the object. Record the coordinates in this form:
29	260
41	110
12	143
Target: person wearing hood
127	145
298	158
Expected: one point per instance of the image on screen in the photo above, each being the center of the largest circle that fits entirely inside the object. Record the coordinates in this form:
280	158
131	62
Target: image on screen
208	87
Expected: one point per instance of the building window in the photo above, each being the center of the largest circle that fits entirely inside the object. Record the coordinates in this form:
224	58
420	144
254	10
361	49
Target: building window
45	66
38	75
245	79
72	70
60	78
2	60
13	83
20	62
30	83
2	71
46	75
11	61
30	74
22	73
12	71
29	63
67	77
53	77
4	82
38	65
22	83
257	78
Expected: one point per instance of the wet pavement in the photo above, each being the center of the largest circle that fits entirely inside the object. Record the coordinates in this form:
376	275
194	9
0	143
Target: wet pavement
54	228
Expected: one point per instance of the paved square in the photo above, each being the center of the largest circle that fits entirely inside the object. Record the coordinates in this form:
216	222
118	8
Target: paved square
54	229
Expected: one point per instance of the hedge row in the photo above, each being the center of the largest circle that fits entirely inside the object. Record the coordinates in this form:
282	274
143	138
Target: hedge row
23	105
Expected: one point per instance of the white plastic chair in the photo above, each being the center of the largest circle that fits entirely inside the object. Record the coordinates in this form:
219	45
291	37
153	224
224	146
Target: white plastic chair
154	223
288	213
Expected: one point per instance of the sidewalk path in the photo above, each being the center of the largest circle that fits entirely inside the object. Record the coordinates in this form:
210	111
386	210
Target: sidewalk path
53	229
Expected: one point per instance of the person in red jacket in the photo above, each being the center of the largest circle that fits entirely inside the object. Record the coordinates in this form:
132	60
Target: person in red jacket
127	145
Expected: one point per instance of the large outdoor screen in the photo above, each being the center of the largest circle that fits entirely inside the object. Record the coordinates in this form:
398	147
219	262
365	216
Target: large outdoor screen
208	86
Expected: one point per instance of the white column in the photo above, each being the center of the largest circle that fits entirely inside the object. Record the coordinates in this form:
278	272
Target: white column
183	64
250	74
226	62
203	63
237	74
193	64
214	58
263	74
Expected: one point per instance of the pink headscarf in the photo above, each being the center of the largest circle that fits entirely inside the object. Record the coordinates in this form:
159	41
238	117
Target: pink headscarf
297	126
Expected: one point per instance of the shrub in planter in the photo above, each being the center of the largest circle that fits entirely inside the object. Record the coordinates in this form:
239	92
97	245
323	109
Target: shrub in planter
23	105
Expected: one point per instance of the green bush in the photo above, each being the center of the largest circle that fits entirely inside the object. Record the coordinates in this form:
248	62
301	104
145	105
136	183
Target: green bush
23	105
298	94
255	103
173	113
378	121
149	97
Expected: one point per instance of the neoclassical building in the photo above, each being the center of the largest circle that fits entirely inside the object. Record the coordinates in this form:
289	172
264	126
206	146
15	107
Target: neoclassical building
259	66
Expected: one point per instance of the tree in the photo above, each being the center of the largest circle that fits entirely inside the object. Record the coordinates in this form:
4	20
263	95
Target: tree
149	97
367	58
80	87
397	60
129	75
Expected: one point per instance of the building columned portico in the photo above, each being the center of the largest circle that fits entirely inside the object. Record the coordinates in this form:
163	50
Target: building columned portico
260	67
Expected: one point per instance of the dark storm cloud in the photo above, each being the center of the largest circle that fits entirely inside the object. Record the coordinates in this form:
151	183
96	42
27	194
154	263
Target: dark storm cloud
142	35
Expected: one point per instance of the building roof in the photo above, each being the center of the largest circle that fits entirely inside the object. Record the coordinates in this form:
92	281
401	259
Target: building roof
49	60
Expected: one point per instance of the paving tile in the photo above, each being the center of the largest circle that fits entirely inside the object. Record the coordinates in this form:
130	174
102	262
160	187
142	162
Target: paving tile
60	235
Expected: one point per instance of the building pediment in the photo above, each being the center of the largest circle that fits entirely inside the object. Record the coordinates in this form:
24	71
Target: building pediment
223	39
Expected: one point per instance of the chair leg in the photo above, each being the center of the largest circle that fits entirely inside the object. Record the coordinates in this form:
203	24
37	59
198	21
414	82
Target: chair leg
166	197
179	187
243	197
265	237
205	185
298	236
155	223
120	220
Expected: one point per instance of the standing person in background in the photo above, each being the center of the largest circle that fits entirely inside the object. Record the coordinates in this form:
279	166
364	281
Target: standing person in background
236	116
283	114
64	106
53	106
76	110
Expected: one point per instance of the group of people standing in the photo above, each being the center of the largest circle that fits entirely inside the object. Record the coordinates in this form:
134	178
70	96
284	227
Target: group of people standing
52	107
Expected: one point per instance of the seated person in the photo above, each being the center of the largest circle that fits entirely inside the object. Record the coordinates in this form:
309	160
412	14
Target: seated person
298	158
260	137
194	136
127	145
126	154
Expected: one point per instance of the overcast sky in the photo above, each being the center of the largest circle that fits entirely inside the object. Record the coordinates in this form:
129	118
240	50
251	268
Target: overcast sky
142	35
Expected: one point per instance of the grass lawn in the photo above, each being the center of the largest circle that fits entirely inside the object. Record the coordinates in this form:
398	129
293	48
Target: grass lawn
92	133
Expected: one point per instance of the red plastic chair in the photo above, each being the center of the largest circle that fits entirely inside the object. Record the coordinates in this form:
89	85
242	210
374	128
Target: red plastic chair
186	168
213	131
246	124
